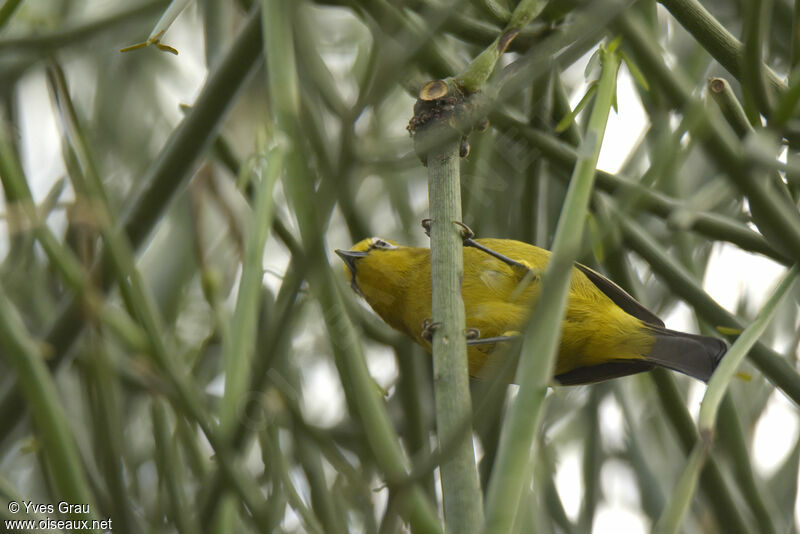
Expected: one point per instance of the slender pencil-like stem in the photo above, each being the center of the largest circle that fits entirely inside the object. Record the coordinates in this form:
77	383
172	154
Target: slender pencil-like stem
711	225
463	507
714	37
727	368
512	466
168	172
363	397
479	70
241	345
773	213
773	365
672	518
755	84
49	416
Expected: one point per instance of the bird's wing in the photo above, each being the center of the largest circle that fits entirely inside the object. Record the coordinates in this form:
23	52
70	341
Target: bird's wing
522	270
620	297
491	340
604	371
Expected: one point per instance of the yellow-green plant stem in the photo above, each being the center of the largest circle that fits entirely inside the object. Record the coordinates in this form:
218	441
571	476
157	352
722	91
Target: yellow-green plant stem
711	225
512	467
242	340
42	43
670	521
359	387
672	518
756	91
463	505
480	68
714	37
722	93
49	416
7	10
773	365
163	179
776	216
167	459
715	487
733	358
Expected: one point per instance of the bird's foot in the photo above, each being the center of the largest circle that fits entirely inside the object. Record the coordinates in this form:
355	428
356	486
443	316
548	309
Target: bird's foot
466	232
426	225
429	326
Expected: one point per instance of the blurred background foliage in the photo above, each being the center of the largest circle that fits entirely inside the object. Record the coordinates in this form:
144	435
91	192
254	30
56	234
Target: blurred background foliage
149	251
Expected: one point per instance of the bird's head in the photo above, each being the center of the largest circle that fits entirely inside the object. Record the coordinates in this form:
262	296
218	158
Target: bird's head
376	268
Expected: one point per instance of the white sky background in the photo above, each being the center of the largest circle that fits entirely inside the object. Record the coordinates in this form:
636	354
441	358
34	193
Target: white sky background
751	275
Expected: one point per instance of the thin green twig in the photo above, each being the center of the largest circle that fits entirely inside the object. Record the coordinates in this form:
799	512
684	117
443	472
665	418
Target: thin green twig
541	338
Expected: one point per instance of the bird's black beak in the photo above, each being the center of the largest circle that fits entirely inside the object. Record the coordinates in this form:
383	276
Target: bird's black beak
349	258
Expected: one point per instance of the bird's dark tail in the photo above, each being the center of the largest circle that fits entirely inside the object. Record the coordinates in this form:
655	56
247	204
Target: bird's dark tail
694	355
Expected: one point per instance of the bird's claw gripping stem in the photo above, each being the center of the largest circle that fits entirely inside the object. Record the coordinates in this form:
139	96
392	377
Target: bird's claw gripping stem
426	225
467	236
466	232
428	328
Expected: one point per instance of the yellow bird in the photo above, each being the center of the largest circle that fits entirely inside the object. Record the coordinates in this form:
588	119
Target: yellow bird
605	334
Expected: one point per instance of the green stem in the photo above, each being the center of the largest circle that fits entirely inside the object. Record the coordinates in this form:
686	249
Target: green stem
49	416
540	342
774	213
787	102
493	9
167	461
774	366
722	93
73	36
672	518
755	88
730	363
712	225
8	9
463	506
362	396
274	457
713	484
480	68
713	36
732	437
242	341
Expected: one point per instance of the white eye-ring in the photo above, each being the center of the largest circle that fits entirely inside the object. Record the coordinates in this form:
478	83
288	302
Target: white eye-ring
381	244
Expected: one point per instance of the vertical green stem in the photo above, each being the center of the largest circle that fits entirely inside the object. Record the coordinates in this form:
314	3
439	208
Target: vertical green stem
540	343
460	488
362	396
51	421
718	384
714	37
673	515
672	518
755	87
241	345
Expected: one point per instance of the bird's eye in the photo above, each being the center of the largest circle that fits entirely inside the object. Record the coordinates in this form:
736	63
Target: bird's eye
381	244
